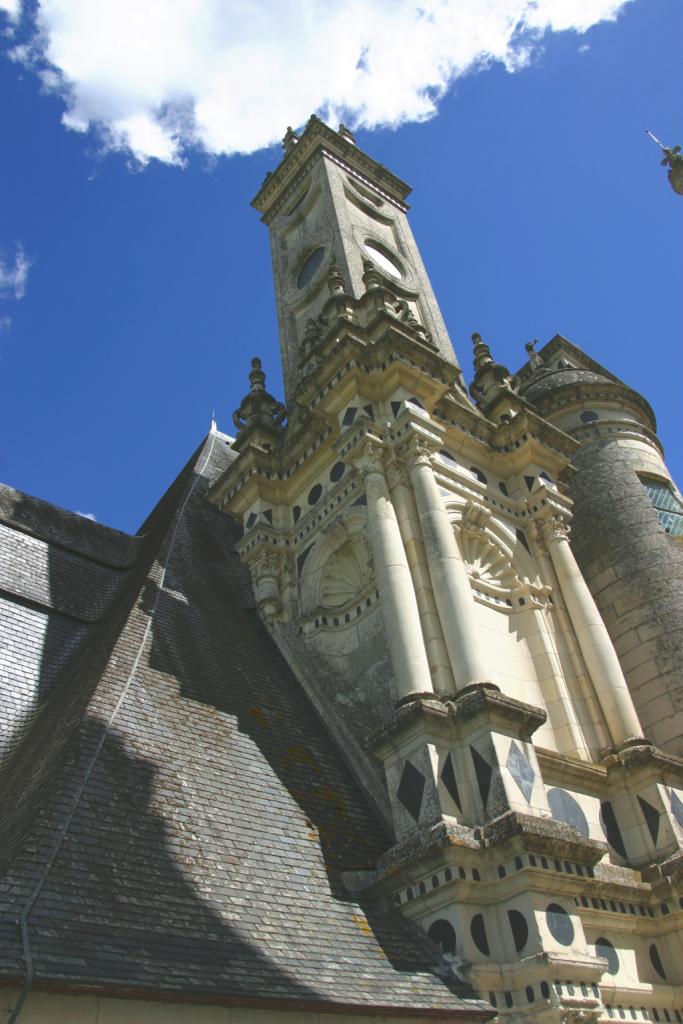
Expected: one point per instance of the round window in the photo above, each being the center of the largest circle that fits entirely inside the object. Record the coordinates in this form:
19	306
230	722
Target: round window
310	267
384	262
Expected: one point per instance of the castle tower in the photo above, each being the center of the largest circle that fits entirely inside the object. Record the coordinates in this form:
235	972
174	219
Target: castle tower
410	556
331	206
628	524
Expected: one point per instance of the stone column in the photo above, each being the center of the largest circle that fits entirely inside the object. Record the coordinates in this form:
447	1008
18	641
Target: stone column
409	525
591	633
451	585
394	582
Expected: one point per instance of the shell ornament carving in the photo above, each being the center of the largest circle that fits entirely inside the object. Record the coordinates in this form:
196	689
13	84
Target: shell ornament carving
347	574
488	565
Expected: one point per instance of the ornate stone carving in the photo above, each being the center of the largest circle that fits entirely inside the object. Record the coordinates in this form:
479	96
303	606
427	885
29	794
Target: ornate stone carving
267	567
259	407
552	529
368	458
347	574
418	452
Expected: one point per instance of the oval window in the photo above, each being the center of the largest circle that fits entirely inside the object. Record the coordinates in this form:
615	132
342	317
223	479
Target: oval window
384	262
310	267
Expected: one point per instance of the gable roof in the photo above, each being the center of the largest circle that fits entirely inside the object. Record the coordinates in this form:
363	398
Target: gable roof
176	819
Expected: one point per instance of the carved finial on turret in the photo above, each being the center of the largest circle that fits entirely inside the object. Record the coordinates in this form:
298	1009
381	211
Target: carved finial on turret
482	353
491	379
346	134
257	377
258	408
371	276
535	360
290	140
335	282
673	159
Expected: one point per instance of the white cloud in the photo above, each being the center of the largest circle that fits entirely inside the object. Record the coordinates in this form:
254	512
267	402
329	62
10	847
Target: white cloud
158	77
14	276
5	323
87	515
11	8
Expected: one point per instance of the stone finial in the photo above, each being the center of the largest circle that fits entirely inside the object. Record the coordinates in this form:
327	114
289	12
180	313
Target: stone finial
346	134
490	378
290	140
673	159
482	352
258	407
371	276
257	377
535	360
335	282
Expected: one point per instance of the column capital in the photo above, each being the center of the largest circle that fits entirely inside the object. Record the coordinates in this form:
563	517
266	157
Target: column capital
418	449
552	529
367	457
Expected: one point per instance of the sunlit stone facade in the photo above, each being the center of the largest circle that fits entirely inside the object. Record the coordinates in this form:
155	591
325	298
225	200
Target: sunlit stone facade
411	550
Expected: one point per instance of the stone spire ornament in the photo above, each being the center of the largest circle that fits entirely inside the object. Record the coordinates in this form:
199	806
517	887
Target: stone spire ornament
260	416
491	379
673	159
289	140
535	360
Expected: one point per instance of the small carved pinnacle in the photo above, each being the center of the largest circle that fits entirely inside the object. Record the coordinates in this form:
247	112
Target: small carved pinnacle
290	140
257	377
346	134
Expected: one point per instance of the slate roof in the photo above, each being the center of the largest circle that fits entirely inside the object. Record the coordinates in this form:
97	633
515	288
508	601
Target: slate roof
546	381
175	819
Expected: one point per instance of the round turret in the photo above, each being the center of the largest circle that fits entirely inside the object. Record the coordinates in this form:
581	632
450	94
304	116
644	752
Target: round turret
628	524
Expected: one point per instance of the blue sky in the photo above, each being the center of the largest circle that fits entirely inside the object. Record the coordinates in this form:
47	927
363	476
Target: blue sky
539	206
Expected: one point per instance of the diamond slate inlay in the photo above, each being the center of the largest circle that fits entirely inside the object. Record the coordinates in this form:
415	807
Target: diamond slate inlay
608	820
677	807
651	815
483	771
520	770
450	782
410	790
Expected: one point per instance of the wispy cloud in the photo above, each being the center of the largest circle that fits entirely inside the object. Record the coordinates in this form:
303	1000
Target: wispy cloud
14	275
87	515
158	78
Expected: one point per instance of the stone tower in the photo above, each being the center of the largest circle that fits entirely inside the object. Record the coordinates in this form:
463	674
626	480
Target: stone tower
409	551
628	524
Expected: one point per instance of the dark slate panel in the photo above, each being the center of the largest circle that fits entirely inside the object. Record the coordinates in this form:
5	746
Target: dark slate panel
450	782
677	807
410	789
566	808
656	961
610	827
520	770
651	815
559	924
519	928
483	772
443	934
603	947
478	933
